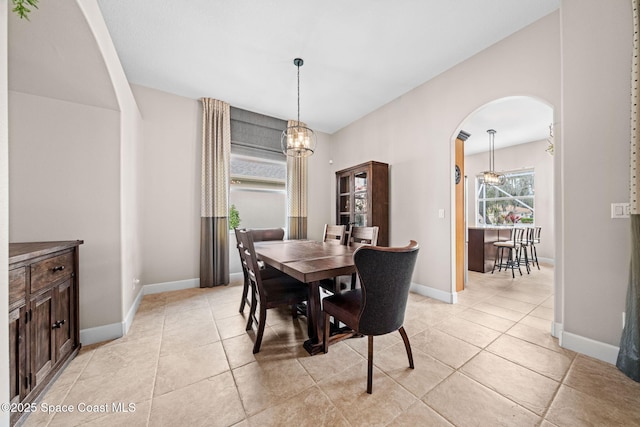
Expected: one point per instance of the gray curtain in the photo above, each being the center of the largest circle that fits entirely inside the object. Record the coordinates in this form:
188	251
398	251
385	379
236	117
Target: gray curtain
214	222
629	355
296	194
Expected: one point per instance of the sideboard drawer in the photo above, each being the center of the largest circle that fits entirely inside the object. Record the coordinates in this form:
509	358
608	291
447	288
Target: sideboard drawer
17	285
48	271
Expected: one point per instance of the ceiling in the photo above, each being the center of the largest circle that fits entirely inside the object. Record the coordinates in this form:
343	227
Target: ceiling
516	120
358	54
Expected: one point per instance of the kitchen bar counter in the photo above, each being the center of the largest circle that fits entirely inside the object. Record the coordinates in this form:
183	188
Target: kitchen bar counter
481	251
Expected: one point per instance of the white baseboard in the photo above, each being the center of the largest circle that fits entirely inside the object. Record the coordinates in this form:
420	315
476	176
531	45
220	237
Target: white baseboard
101	333
156	288
128	320
438	294
556	330
596	349
550	261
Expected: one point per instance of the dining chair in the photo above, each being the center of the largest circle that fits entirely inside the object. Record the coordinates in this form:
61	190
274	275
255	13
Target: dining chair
362	236
267	293
359	236
266	271
378	306
513	247
334	234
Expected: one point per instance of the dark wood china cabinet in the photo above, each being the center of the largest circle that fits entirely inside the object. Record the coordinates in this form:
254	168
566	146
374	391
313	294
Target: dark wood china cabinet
362	195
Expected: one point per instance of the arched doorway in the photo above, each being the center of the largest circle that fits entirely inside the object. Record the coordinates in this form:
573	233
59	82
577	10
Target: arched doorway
523	137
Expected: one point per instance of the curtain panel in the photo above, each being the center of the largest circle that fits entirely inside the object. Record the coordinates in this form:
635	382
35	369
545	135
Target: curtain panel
214	222
296	193
629	355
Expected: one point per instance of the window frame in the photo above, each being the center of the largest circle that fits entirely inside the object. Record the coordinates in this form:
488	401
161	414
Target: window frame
481	202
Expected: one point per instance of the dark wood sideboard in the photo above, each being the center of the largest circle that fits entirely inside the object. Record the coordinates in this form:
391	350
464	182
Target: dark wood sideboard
481	253
44	332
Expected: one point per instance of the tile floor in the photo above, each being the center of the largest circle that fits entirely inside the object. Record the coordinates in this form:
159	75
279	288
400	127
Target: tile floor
486	361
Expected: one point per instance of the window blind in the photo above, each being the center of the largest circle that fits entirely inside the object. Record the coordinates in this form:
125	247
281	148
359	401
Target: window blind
256	135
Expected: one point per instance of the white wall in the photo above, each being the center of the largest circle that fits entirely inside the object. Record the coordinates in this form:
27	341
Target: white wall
522	156
415	134
597	48
64	185
170	186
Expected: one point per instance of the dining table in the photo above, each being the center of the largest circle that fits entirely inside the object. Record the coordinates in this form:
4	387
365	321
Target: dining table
310	262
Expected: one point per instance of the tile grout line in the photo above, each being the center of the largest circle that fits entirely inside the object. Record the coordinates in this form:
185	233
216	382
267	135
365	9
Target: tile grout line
233	376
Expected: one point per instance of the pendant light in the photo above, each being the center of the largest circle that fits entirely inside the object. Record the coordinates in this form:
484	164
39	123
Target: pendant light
298	140
491	177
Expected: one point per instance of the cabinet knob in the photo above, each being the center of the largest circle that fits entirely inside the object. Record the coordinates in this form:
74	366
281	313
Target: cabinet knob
58	324
58	268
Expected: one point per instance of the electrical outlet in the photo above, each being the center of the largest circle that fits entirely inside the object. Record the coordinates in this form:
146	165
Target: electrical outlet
620	210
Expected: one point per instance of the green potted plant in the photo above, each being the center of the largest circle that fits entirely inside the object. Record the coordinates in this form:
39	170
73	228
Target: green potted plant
234	217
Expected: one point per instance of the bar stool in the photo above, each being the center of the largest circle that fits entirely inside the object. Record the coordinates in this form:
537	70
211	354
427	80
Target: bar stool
534	241
513	246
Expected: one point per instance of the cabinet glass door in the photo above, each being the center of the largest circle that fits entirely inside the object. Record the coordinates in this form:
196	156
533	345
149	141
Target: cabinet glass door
360	199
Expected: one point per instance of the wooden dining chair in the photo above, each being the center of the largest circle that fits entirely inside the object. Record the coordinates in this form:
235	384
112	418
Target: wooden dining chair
378	306
267	293
266	271
334	234
359	236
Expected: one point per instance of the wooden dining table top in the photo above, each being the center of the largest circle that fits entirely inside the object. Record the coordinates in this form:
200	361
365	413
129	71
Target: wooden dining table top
307	260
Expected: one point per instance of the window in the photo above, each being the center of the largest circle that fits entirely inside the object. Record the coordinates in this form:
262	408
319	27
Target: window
258	170
510	203
258	191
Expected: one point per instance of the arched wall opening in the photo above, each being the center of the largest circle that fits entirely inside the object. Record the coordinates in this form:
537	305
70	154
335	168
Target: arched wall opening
524	144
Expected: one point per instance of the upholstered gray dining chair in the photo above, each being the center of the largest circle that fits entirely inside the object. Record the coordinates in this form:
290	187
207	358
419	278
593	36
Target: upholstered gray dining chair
378	306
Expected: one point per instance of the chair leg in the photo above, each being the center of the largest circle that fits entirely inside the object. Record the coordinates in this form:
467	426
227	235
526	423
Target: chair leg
327	327
252	308
407	345
526	258
353	281
511	261
495	261
534	255
260	333
370	366
245	291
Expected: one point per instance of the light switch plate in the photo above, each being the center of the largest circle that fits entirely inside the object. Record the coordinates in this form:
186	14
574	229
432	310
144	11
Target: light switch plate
620	210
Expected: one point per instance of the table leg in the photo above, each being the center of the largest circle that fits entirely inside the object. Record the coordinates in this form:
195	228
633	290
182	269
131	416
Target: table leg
315	320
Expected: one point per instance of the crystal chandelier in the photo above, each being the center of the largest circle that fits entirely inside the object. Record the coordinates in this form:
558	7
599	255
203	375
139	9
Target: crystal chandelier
298	140
491	177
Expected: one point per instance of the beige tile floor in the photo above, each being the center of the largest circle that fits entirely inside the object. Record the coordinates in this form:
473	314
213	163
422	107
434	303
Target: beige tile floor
486	361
